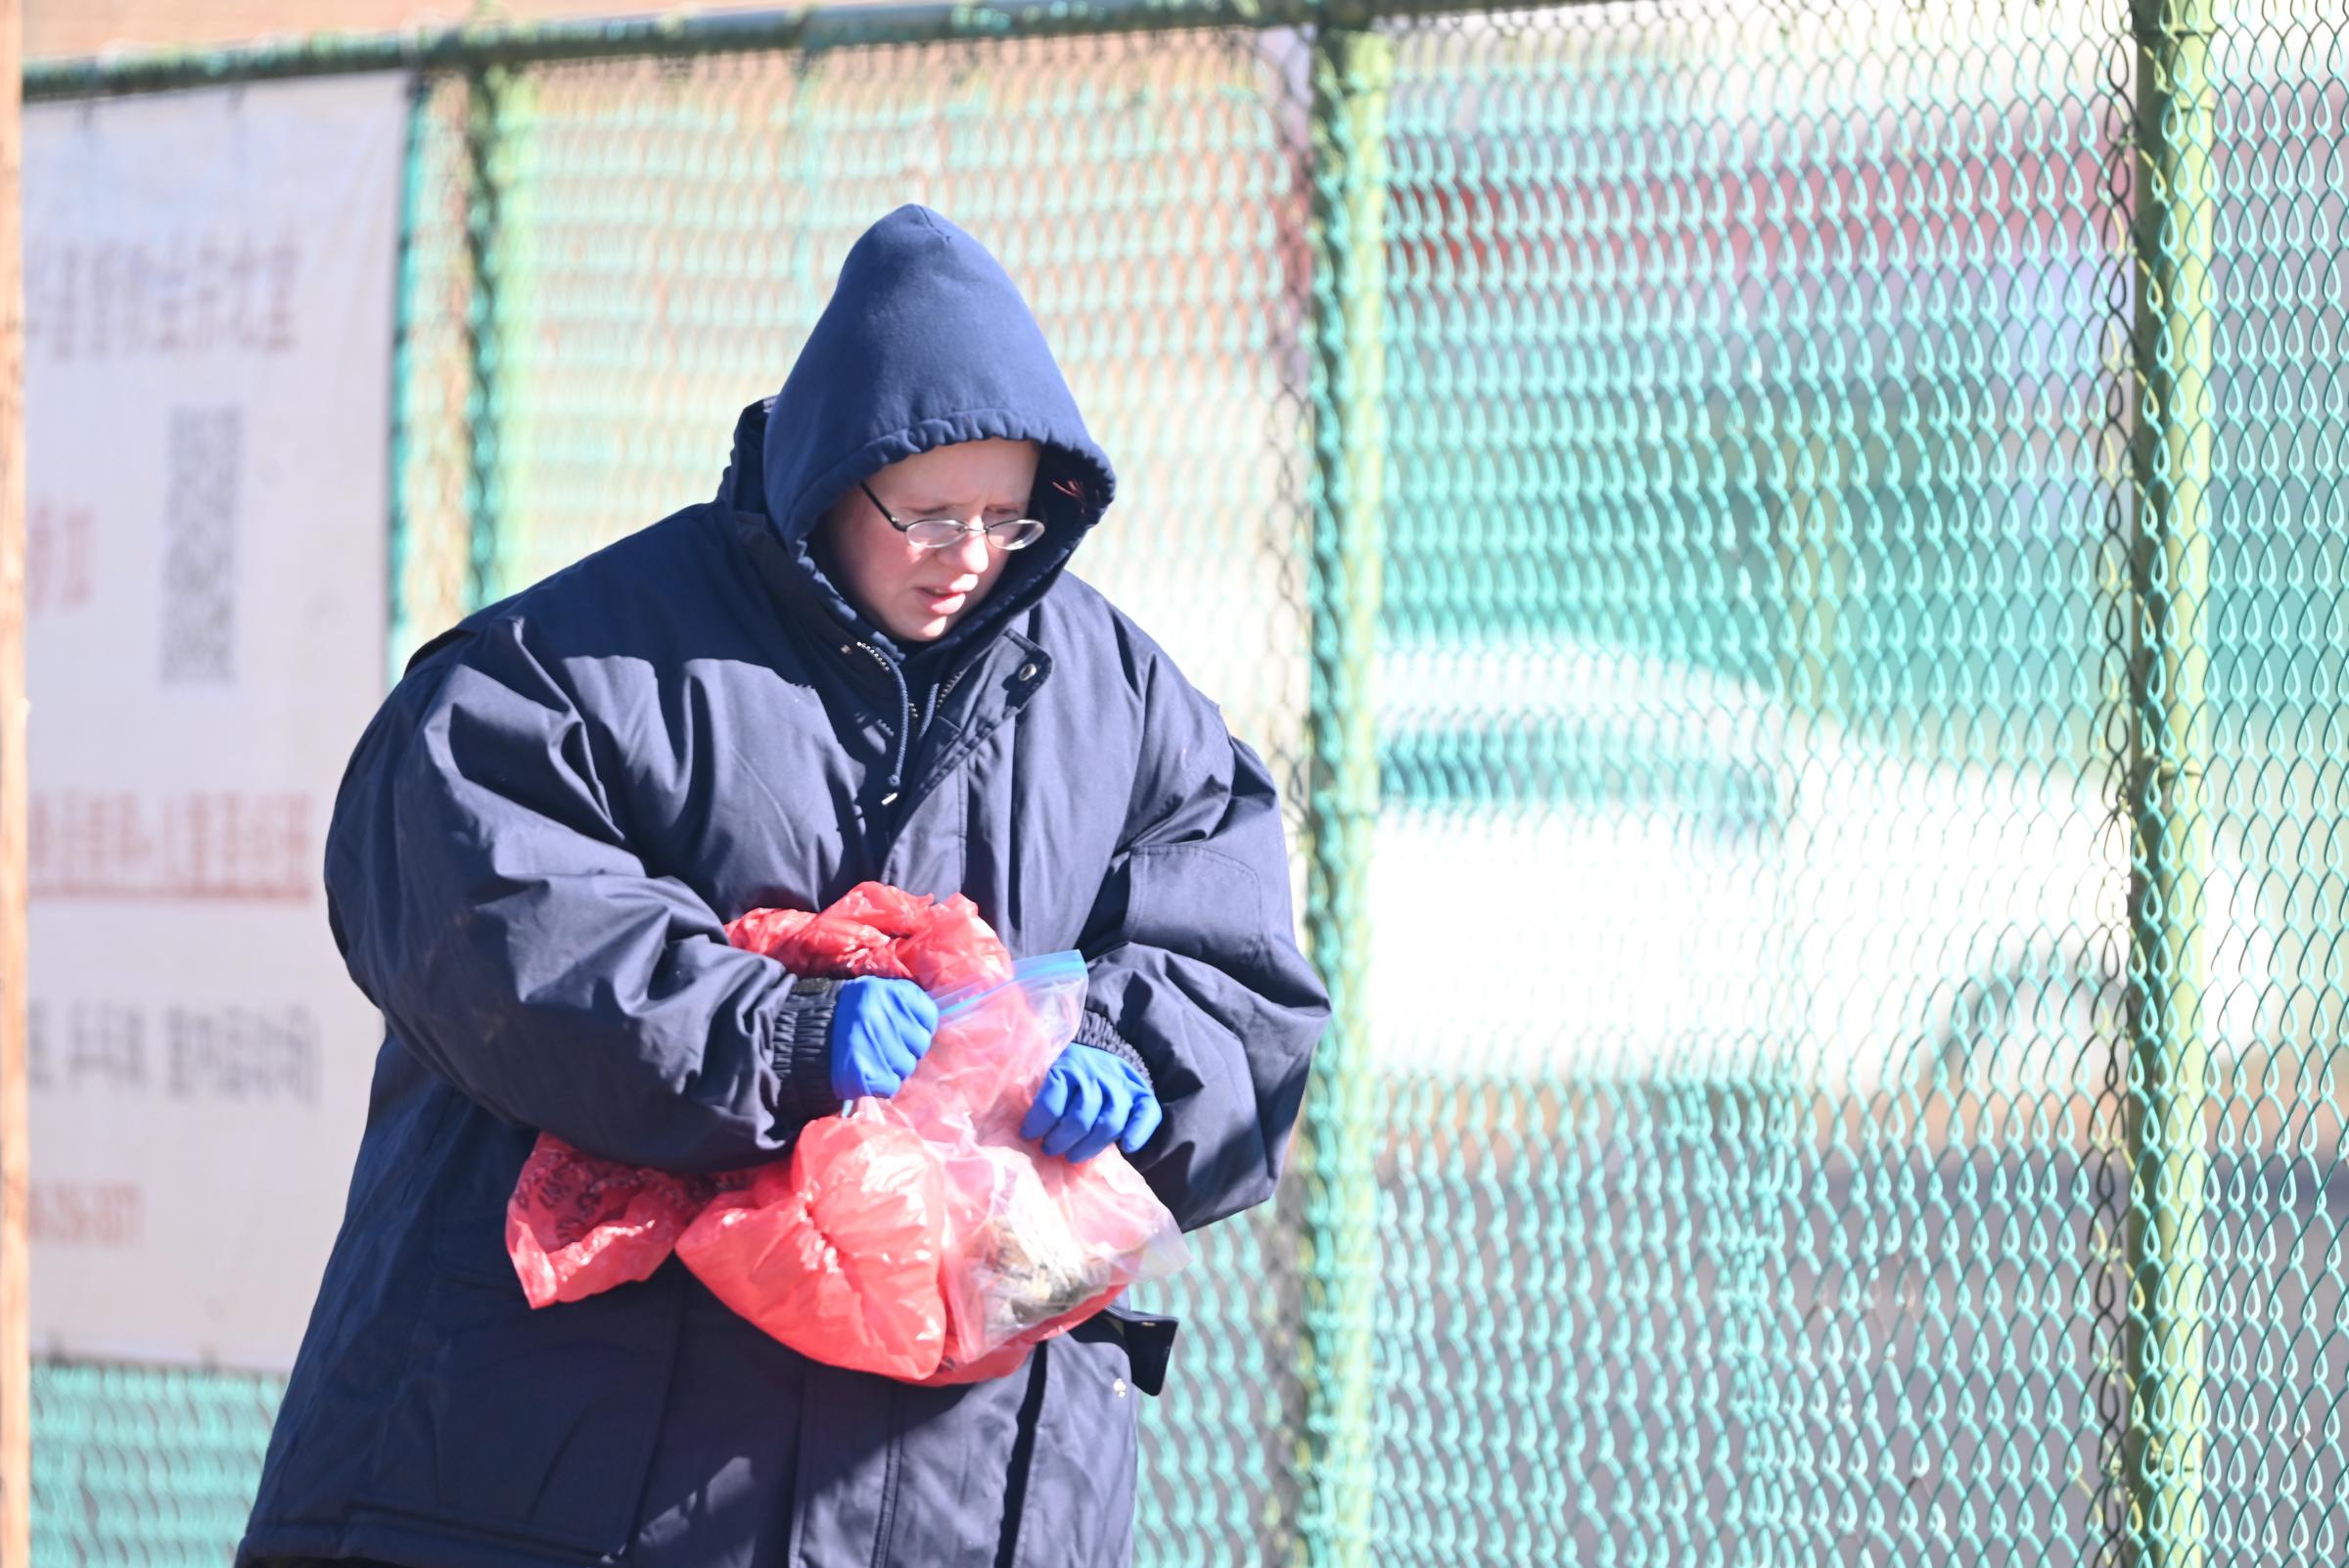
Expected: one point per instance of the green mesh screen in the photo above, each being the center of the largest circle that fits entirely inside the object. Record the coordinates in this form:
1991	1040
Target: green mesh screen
1788	558
134	1465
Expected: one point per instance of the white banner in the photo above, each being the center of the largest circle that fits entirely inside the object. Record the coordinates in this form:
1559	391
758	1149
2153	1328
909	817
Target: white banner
208	315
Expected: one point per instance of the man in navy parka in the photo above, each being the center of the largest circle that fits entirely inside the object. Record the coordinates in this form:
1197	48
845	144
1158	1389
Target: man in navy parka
531	858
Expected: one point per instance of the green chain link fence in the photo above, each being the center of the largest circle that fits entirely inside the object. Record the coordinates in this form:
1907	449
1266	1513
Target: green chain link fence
1792	561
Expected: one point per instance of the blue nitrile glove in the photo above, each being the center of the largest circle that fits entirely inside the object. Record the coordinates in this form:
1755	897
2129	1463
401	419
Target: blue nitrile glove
1091	1099
880	1030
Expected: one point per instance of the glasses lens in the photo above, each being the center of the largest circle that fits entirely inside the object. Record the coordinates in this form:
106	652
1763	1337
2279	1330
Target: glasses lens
934	533
937	532
1016	535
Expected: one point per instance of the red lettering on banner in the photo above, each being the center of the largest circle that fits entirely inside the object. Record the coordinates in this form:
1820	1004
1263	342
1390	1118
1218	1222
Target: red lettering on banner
74	590
59	543
84	1214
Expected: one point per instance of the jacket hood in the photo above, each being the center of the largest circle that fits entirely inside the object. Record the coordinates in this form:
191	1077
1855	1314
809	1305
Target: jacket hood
926	342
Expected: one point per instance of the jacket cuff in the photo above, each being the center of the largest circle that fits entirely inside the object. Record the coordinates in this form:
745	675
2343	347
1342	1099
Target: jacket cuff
802	1053
1096	1029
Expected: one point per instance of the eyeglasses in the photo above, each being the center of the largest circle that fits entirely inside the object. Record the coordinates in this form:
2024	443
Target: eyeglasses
937	532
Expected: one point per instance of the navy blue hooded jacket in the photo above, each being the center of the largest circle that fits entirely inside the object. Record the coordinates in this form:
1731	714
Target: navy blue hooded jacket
532	858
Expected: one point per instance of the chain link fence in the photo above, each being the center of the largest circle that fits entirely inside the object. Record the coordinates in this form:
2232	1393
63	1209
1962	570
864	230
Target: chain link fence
1790	560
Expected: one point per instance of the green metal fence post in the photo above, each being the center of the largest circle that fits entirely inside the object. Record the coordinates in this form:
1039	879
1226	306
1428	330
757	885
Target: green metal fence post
398	636
484	93
1352	71
2166	1441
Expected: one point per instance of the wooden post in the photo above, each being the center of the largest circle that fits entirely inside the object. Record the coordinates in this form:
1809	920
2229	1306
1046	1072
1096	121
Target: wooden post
16	1368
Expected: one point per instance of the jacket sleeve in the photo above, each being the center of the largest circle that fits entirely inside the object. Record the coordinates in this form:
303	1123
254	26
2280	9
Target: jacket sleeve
1193	963
485	900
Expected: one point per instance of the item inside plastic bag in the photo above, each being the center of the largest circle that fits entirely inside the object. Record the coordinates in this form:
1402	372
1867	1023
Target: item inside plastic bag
917	1236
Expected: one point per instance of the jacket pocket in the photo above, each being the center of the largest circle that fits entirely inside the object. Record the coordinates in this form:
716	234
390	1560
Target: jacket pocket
527	1427
1077	1507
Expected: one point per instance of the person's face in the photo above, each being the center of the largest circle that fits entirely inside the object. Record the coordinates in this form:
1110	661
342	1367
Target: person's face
913	594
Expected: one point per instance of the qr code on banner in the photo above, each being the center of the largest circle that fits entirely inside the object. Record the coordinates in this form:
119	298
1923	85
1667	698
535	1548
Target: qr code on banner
200	549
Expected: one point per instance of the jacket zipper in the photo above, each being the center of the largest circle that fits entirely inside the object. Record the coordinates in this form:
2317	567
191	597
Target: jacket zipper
903	725
939	696
909	716
878	658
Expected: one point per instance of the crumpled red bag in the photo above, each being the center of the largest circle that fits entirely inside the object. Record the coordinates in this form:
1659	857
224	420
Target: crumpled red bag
917	1236
576	1224
835	1251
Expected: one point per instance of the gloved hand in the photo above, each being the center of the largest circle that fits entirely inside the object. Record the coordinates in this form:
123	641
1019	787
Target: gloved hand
880	1030
1090	1100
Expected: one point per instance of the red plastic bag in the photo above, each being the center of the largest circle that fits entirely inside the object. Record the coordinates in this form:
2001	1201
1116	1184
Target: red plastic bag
875	929
576	1224
918	1236
1035	1245
835	1251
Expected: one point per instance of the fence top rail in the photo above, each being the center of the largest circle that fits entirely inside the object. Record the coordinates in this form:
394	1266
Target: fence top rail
805	29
